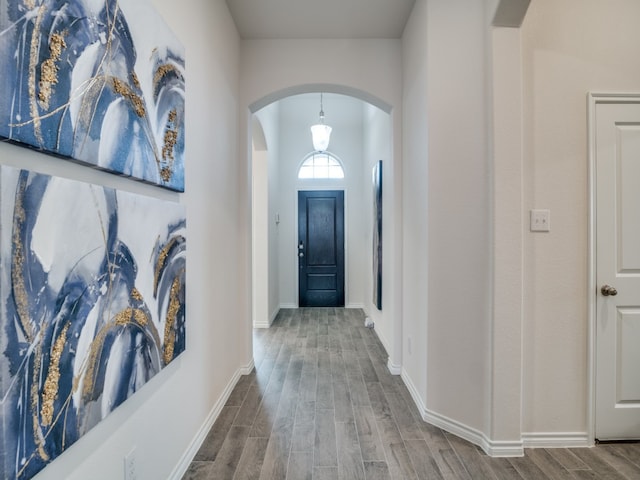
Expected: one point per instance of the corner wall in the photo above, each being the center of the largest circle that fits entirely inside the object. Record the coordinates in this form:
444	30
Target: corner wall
163	419
266	229
459	217
377	146
415	178
447	216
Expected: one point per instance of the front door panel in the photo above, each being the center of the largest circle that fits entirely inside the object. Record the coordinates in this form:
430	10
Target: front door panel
321	248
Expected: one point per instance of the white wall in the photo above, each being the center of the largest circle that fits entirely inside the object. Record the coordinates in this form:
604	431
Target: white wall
377	146
447	229
274	228
507	272
415	178
260	228
569	48
459	213
266	205
164	417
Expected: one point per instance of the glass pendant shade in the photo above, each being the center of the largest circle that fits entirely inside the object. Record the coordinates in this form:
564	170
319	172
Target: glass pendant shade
320	134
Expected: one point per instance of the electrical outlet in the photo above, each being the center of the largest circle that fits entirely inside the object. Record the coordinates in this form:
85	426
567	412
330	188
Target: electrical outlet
130	471
540	220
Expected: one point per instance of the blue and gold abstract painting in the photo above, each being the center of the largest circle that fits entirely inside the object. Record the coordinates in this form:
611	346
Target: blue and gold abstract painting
97	81
92	306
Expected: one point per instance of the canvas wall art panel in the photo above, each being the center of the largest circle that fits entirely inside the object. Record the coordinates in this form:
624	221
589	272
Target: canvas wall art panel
377	235
97	81
92	306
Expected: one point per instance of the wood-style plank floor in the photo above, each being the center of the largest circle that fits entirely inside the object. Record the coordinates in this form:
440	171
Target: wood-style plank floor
321	404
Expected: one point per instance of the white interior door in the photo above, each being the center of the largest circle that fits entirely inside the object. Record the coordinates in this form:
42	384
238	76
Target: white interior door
617	249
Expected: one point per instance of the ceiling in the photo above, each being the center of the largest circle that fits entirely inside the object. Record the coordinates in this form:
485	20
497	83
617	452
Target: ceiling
291	19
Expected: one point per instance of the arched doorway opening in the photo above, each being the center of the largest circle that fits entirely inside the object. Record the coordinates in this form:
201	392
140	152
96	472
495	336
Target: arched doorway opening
362	135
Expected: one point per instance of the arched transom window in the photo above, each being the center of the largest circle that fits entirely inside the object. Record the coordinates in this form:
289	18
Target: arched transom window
321	165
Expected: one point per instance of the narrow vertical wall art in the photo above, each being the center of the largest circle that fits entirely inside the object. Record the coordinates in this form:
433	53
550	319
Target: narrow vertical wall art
92	306
97	81
377	235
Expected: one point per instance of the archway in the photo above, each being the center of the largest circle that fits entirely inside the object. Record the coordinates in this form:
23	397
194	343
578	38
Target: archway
377	118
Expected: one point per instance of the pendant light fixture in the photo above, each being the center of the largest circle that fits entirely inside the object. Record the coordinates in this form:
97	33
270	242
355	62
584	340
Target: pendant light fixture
320	132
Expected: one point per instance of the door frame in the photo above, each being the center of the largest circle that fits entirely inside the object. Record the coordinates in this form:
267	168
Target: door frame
593	99
315	188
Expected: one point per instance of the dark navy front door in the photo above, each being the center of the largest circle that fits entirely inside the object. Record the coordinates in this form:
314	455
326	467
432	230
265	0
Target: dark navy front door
321	248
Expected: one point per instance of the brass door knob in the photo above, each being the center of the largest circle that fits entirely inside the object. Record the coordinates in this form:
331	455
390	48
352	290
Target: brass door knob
608	290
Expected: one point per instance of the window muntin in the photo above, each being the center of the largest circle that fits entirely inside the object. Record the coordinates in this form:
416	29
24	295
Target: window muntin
321	165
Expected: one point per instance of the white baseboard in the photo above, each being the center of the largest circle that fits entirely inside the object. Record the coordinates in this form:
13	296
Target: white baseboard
491	448
556	440
503	448
188	456
246	370
273	316
394	369
269	322
417	399
288	305
355	305
382	339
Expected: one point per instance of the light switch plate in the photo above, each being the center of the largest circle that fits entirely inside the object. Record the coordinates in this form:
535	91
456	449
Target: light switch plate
540	220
